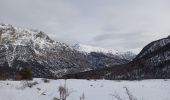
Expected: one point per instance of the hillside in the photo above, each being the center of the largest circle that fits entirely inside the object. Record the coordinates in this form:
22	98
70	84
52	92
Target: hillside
152	62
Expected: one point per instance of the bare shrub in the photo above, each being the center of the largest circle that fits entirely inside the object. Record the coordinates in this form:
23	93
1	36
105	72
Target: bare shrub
131	97
129	94
63	91
116	96
82	97
29	84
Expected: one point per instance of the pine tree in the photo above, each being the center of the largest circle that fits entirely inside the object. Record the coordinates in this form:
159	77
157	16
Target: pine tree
26	73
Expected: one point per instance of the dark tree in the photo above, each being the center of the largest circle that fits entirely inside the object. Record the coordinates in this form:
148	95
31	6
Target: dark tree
26	73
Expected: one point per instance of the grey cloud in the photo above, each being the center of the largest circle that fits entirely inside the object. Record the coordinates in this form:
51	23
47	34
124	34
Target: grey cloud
113	36
129	41
125	25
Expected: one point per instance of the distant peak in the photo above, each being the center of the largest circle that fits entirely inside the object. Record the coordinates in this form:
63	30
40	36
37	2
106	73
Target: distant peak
22	36
88	49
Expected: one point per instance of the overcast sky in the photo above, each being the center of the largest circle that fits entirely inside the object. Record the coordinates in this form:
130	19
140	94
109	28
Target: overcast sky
125	25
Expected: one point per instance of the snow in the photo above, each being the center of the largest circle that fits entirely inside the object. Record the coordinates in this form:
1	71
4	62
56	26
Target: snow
158	89
88	49
23	36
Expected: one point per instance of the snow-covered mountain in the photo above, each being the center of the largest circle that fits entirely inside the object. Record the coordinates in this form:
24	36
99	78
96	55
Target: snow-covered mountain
34	49
152	62
88	49
21	47
101	57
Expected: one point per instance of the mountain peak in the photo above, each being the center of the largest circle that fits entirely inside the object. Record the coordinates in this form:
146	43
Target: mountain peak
19	36
88	49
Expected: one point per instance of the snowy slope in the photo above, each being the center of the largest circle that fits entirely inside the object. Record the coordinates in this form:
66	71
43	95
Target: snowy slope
101	57
88	49
93	90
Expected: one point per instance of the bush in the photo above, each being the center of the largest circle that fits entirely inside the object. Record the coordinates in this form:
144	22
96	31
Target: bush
64	92
18	76
25	74
4	76
82	97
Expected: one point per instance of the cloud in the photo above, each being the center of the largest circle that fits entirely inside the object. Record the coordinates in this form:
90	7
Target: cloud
113	36
124	25
121	41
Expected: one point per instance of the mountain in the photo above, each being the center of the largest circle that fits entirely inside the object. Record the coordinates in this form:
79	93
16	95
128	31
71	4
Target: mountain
88	49
152	62
47	58
101	57
35	50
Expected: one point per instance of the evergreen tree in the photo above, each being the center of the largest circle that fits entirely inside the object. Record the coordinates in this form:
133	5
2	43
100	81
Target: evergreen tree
26	73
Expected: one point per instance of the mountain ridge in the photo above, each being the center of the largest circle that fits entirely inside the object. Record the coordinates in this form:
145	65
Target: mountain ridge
88	49
34	49
153	62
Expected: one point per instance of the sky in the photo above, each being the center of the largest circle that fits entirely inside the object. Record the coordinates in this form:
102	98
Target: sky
125	25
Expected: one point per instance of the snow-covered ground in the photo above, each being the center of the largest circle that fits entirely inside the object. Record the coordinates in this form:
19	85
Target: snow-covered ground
93	90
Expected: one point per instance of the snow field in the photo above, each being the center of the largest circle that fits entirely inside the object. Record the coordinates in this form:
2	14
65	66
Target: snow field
158	89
